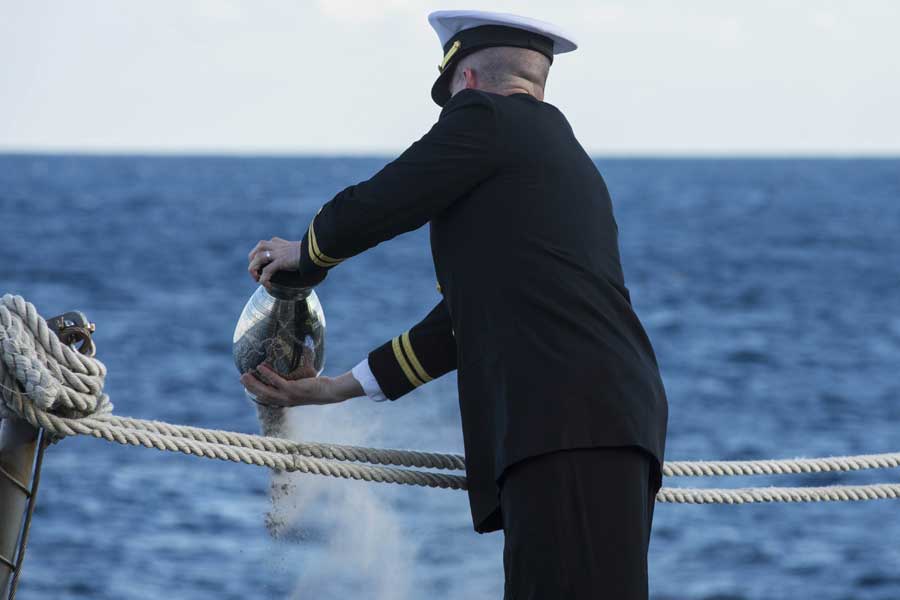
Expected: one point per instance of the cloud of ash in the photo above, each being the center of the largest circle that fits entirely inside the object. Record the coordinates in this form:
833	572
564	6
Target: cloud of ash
351	540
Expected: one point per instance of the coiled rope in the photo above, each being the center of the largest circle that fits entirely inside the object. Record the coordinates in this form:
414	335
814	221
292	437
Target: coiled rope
51	386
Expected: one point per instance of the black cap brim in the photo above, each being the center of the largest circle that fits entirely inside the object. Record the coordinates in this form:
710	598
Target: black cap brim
440	91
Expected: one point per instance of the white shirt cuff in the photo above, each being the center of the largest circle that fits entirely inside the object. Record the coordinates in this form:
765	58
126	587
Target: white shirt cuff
363	374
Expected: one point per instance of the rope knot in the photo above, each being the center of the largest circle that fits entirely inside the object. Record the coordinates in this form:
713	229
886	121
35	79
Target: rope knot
42	380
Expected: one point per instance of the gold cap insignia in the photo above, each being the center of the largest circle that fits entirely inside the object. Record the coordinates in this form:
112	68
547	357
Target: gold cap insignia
449	55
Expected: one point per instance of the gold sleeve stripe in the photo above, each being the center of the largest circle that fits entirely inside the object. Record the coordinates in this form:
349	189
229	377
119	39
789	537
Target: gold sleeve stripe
315	259
401	360
315	245
315	254
413	359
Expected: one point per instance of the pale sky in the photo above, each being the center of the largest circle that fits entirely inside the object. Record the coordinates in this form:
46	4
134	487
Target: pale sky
341	76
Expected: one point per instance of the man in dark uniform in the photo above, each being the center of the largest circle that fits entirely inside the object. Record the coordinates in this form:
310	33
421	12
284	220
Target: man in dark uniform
563	410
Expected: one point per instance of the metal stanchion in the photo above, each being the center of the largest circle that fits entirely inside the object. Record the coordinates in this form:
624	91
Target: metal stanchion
21	454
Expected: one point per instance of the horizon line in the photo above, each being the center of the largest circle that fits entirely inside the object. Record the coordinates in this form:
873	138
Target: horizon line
387	153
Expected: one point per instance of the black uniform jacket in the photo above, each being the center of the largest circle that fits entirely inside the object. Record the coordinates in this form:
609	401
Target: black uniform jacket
535	314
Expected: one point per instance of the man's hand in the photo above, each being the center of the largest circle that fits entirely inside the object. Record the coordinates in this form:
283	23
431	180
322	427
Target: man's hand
269	257
278	391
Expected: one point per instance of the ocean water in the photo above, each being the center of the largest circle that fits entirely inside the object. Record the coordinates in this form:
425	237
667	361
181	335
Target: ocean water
769	288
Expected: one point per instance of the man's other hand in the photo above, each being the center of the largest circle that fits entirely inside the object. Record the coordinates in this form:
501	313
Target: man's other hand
270	256
278	391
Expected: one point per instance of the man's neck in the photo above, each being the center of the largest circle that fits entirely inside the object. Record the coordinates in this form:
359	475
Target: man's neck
536	92
509	90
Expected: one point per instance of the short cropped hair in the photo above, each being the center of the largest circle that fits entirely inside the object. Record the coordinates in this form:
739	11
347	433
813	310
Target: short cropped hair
500	65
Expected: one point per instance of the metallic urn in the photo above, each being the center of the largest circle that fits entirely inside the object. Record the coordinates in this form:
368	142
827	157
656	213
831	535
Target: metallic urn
283	327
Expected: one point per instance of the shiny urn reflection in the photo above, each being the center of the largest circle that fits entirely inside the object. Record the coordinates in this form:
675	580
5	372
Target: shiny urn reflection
283	327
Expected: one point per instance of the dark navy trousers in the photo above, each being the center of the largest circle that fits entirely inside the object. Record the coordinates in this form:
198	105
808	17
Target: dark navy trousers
577	524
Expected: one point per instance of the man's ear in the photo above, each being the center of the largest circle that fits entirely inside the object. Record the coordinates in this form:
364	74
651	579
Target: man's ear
471	78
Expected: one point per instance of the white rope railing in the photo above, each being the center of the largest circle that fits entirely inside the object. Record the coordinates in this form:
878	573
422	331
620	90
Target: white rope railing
781	466
51	386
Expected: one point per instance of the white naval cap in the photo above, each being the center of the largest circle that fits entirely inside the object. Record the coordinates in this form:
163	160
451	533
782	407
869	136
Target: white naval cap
461	32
